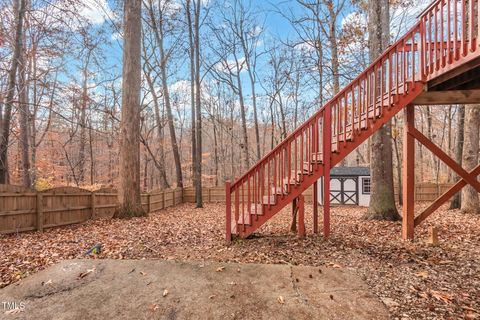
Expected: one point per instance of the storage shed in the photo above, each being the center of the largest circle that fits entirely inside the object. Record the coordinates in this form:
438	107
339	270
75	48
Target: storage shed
348	186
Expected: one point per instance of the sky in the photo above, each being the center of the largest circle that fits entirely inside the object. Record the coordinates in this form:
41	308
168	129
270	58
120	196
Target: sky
101	14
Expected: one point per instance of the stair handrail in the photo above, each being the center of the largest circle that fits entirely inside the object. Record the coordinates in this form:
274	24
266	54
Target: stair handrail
408	35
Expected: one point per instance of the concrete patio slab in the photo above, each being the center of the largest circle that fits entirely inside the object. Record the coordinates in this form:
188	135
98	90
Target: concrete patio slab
154	289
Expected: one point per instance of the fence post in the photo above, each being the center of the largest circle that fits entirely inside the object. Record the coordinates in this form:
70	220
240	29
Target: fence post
148	203
173	194
40	212
209	195
92	205
163	199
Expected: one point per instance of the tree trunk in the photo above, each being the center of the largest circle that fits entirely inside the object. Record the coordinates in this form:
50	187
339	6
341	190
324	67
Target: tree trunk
457	199
160	164
192	90
470	202
92	157
129	165
244	123
198	108
382	201
24	111
168	106
83	120
6	118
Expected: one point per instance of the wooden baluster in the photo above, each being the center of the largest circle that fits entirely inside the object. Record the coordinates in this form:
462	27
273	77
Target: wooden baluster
471	26
478	24
382	87
375	83
404	68
437	61
345	116
268	181
430	50
455	33
413	57
254	188
367	100
289	163
228	207
337	123
397	76
275	181
237	207
422	49
316	147
249	204
301	147
464	32
243	207
449	31
442	36
353	112
295	157
390	77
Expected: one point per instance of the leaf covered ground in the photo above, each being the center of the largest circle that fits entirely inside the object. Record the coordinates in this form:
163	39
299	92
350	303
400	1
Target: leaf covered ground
413	279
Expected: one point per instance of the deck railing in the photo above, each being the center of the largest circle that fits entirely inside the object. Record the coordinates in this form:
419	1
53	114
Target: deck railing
443	38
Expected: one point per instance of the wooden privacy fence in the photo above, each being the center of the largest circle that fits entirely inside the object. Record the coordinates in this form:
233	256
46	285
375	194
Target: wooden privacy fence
217	194
25	210
423	192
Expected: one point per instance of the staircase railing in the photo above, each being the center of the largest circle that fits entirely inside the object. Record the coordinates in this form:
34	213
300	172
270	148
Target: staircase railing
449	35
438	40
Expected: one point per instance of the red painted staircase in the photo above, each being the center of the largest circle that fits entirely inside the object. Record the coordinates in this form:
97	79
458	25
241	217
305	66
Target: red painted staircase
438	43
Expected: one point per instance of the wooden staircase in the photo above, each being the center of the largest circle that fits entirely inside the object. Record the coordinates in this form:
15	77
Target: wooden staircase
441	41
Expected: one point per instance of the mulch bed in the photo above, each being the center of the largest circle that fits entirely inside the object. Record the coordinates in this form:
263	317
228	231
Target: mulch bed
413	279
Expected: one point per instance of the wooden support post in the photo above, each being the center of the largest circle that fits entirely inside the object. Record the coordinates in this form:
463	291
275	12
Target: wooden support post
92	206
163	199
228	212
433	236
173	195
327	152
293	226
301	216
315	207
40	212
408	222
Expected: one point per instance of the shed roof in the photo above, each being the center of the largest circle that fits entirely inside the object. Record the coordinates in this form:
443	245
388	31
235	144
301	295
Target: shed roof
350	171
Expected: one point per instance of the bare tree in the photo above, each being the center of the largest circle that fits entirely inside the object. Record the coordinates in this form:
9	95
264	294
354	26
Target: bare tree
470	201
159	31
12	82
459	139
382	201
24	111
129	189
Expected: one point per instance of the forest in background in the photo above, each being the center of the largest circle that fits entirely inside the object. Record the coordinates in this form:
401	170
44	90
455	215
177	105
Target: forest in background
263	68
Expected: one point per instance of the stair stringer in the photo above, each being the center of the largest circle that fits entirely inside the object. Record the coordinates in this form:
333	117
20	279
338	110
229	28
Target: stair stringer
345	148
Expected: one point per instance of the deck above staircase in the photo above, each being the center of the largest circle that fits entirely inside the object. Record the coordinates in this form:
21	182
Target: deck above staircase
440	44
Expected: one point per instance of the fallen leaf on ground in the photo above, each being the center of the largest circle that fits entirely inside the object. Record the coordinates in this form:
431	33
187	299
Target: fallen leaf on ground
47	282
422	274
442	296
154	307
86	273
